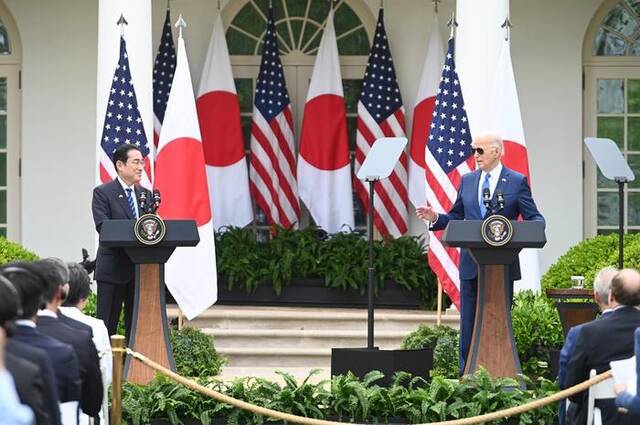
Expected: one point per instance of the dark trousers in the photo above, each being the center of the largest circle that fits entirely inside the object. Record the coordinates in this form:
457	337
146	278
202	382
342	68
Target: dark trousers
110	299
468	301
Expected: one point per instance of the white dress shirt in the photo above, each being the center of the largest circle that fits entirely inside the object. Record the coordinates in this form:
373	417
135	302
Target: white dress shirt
493	180
103	346
133	194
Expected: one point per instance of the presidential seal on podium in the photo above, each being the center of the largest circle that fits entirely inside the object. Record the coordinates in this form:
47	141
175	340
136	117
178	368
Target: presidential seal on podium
497	230
149	229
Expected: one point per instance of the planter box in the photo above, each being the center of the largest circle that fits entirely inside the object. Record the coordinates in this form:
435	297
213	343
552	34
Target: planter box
314	293
361	361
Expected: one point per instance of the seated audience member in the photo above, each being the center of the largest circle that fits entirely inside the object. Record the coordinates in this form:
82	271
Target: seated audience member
56	274
12	411
41	359
26	375
624	398
79	290
601	290
602	341
30	288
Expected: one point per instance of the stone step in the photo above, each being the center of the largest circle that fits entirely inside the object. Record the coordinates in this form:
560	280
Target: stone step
303	338
242	317
277	357
258	341
298	373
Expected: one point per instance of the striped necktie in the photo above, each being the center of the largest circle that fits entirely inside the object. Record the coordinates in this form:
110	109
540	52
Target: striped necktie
132	206
485	186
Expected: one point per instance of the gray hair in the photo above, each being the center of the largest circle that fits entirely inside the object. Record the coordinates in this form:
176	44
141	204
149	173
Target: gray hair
602	283
493	138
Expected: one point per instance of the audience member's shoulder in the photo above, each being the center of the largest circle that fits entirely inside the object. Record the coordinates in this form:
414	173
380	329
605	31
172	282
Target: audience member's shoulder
77	324
27	351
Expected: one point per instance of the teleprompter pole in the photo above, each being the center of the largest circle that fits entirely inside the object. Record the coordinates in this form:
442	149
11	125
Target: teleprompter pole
621	181
370	318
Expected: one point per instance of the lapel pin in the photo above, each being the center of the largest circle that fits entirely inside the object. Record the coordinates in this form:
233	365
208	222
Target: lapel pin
503	179
120	196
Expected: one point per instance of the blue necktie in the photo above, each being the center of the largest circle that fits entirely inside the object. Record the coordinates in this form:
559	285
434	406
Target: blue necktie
132	206
485	185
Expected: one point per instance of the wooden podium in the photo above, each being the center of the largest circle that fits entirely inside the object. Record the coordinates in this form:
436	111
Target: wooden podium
149	330
492	343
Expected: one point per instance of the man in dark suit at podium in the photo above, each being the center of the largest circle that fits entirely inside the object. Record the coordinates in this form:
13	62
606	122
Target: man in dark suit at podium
490	181
118	200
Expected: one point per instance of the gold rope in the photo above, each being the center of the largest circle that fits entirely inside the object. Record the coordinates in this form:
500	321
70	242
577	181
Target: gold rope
501	414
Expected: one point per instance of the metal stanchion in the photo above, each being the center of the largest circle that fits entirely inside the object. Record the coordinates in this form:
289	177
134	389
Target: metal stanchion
118	346
439	312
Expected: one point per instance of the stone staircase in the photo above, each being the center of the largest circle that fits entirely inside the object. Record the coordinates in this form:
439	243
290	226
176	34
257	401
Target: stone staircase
258	341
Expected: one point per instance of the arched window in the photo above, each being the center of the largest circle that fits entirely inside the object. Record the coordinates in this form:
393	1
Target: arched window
10	60
619	31
611	58
299	24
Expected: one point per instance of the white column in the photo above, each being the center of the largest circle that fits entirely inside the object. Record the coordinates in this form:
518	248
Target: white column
478	42
139	38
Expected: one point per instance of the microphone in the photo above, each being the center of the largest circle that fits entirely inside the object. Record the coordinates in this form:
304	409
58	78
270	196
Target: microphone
142	200
500	199
486	200
156	200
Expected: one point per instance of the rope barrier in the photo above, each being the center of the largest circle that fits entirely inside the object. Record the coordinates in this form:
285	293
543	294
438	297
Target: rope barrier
487	417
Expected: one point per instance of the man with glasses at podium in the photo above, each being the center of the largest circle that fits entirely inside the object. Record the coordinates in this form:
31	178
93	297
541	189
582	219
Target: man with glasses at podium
118	200
491	188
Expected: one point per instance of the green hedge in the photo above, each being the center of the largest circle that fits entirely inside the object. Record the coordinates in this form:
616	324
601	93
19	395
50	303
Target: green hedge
588	257
194	353
345	398
536	330
341	260
11	251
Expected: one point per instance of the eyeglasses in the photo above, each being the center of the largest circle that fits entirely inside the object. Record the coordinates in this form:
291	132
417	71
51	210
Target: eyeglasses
479	151
137	162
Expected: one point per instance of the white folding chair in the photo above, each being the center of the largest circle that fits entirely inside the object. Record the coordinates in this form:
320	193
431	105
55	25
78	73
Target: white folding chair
603	390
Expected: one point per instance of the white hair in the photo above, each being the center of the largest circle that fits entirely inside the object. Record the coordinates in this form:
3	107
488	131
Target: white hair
602	283
493	138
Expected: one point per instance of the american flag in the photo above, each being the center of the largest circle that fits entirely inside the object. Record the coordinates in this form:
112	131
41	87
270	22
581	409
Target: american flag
163	69
122	122
272	169
448	157
381	114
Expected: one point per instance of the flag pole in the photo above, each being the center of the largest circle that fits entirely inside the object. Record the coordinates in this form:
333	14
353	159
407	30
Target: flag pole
181	317
507	25
439	311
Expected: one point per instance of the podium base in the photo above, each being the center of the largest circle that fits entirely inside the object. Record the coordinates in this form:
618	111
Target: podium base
361	361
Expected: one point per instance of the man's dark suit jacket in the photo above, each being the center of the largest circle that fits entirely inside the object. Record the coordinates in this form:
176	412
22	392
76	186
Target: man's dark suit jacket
85	349
598	343
110	203
29	385
40	358
63	359
517	201
73	323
